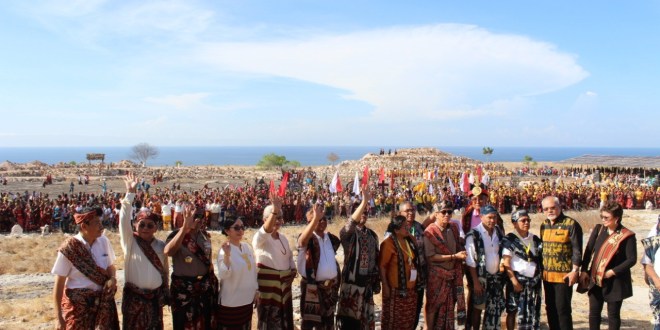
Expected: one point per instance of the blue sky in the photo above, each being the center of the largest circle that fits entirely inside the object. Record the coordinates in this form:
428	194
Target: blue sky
415	73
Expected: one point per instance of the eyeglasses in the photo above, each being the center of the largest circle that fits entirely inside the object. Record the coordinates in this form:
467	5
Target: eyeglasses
549	208
524	220
446	212
238	228
408	210
148	225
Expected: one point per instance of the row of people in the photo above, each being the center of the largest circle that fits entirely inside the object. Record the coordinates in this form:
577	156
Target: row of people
414	260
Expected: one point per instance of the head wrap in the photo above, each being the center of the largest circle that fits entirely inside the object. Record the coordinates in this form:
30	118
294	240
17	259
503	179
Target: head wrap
146	215
82	217
488	209
515	216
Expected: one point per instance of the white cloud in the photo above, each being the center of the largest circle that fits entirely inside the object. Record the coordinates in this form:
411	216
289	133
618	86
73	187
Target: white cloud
430	71
90	22
181	101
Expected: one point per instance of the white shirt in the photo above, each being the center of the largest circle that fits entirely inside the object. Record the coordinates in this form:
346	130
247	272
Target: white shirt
327	269
491	247
137	267
239	281
166	210
271	252
646	260
522	266
103	255
214	208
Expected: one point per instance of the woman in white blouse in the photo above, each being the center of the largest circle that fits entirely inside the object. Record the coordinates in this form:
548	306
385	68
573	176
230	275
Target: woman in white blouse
237	272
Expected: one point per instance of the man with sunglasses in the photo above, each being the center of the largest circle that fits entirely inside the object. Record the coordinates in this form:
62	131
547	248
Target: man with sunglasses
521	256
145	265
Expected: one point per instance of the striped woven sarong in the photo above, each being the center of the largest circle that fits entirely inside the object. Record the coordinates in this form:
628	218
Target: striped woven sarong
275	307
235	318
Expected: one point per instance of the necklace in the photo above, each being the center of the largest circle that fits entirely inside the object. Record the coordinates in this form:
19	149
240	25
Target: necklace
283	247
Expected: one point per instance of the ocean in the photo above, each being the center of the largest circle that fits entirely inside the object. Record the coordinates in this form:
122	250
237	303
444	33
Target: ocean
307	156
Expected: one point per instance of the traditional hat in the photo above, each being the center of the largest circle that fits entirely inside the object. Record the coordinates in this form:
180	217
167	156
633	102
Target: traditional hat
515	216
481	189
146	215
488	209
82	217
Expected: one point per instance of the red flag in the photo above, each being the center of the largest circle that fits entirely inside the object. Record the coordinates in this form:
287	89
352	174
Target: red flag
365	176
465	185
272	187
381	175
283	184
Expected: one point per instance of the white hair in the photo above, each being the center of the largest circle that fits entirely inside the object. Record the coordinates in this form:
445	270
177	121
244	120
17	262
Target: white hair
267	211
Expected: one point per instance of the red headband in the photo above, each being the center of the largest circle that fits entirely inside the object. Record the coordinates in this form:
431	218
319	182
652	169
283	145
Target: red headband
81	217
146	216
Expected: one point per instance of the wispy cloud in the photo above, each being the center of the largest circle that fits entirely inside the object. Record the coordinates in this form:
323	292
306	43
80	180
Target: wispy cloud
437	70
181	101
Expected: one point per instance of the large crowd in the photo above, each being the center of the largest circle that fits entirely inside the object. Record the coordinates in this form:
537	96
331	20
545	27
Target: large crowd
576	188
469	270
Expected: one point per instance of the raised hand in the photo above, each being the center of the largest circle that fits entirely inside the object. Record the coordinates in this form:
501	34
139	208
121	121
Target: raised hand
226	248
131	182
188	217
276	201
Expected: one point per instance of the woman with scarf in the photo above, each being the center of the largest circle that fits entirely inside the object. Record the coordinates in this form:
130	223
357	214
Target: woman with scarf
237	272
521	256
398	265
610	253
445	302
194	287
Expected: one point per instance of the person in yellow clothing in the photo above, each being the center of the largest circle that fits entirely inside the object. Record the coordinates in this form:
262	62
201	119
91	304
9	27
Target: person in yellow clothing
603	196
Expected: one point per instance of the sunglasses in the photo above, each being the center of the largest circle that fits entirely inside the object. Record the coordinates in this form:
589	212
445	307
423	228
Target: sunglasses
148	225
524	220
238	228
446	212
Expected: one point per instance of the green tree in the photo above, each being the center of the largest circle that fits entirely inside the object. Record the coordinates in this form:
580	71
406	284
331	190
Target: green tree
178	163
527	159
273	160
487	151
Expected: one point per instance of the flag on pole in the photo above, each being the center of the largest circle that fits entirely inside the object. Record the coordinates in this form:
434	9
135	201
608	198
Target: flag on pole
285	181
480	173
381	175
431	189
466	183
356	184
451	187
365	175
271	189
335	184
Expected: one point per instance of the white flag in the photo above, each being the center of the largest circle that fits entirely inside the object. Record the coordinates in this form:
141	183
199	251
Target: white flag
333	183
431	189
451	187
356	185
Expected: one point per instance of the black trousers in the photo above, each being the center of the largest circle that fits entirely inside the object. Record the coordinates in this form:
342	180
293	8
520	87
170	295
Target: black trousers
558	305
596	302
420	302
